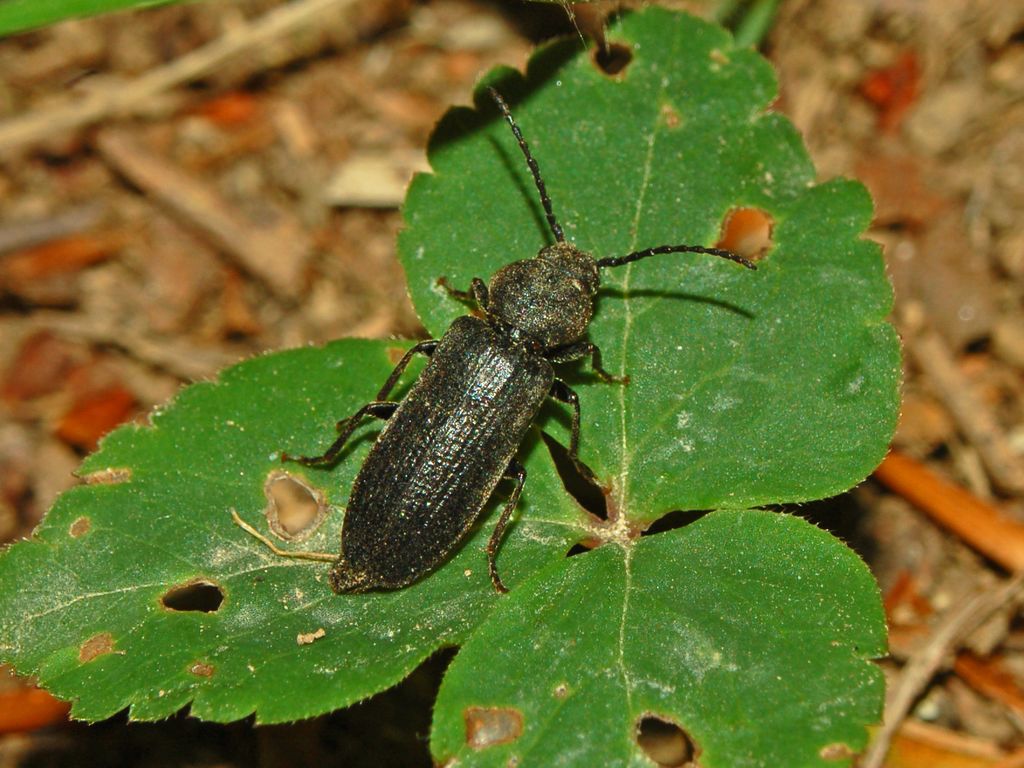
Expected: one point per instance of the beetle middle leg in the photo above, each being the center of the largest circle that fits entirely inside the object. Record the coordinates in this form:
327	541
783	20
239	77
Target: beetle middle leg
581	349
517	472
563	393
381	408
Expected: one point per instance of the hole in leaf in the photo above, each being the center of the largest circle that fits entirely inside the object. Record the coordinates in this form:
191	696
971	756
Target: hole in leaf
613	58
585	491
665	743
198	595
80	527
487	726
678	518
578	549
98	645
294	508
748	232
836	751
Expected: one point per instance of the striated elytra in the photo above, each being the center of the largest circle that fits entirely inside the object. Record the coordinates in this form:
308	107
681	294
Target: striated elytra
449	442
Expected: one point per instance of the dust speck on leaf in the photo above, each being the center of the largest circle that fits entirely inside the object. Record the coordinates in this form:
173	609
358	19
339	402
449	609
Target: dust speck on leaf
295	509
306	638
108	476
836	751
80	527
98	645
201	669
487	726
670	117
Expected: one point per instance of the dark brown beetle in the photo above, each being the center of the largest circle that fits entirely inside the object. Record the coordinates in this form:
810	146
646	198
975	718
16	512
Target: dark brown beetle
454	436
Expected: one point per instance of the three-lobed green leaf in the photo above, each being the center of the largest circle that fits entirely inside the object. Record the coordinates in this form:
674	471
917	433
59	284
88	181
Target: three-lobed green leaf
745	389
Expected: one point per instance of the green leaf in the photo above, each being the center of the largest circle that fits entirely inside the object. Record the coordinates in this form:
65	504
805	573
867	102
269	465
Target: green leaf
737	378
20	15
759	651
81	603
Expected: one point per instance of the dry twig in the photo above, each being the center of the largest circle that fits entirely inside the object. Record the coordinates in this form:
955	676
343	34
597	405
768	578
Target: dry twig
274	252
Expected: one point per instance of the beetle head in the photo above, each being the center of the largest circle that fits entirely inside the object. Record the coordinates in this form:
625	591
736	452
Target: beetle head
546	301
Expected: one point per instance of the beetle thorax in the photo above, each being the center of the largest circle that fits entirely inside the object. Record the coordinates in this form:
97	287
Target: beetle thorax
546	301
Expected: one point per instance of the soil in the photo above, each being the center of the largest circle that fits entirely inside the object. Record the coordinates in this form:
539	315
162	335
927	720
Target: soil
255	207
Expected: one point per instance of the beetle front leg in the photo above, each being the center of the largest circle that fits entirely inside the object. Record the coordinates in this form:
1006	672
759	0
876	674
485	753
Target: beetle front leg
517	472
477	292
582	349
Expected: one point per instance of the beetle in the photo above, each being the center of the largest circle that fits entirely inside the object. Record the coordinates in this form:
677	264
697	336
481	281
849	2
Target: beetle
454	436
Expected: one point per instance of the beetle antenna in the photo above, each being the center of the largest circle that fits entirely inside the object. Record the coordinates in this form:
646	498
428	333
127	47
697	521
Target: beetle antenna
556	229
618	261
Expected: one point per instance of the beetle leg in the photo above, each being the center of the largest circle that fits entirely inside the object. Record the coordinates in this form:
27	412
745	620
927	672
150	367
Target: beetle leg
580	349
381	409
517	472
422	348
563	393
477	292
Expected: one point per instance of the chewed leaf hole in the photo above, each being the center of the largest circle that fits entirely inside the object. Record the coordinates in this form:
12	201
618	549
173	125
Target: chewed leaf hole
748	232
487	726
578	548
587	493
199	595
678	518
295	509
665	743
612	59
